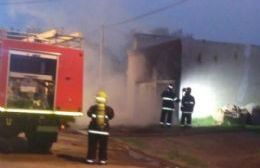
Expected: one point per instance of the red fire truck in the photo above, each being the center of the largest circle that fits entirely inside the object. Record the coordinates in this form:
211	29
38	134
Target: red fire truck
41	84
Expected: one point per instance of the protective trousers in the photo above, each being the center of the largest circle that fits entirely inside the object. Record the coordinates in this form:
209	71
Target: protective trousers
166	115
97	141
186	118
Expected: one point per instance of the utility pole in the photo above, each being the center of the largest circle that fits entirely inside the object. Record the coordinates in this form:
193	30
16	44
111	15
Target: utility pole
101	53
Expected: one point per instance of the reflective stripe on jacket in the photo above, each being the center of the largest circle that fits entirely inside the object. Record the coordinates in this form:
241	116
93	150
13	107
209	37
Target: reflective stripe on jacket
187	103
96	125
168	99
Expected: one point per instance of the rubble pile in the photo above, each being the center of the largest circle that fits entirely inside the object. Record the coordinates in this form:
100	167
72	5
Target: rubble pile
234	114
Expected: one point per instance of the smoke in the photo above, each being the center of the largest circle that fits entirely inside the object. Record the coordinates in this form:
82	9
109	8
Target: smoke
87	17
113	82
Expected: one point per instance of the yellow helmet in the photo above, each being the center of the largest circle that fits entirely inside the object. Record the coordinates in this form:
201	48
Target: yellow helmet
101	97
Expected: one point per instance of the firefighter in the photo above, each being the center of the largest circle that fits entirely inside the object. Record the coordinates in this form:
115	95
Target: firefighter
168	100
98	131
187	106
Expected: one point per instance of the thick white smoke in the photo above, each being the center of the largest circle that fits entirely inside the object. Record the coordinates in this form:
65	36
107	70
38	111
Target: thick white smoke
87	17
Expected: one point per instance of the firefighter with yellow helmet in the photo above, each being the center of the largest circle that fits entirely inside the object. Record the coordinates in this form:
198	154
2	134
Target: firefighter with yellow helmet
98	131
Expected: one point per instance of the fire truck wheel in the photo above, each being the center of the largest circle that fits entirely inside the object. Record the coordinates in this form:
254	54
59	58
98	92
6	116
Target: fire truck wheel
39	142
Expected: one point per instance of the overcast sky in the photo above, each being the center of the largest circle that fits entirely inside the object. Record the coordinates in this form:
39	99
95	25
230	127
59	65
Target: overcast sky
219	20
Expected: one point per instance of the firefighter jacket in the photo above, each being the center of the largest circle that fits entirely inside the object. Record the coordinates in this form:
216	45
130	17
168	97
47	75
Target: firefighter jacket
100	115
187	103
168	99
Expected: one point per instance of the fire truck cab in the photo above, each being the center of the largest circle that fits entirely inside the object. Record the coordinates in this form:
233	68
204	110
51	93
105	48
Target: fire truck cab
41	84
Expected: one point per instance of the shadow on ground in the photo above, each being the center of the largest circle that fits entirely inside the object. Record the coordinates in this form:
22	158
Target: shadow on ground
72	158
13	145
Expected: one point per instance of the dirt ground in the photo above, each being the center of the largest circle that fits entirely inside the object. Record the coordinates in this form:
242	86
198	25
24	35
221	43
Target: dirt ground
70	151
199	147
151	147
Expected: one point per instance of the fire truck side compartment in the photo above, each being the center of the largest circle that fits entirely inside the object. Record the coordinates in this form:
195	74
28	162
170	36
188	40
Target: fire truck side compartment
67	78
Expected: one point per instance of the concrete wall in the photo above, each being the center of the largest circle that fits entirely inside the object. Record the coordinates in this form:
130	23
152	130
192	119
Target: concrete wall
220	74
142	105
149	72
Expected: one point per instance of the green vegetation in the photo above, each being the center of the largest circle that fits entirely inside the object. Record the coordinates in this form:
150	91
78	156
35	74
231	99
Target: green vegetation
135	142
228	121
171	153
207	121
188	159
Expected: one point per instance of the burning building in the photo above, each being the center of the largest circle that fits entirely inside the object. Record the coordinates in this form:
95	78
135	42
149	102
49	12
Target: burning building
219	73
